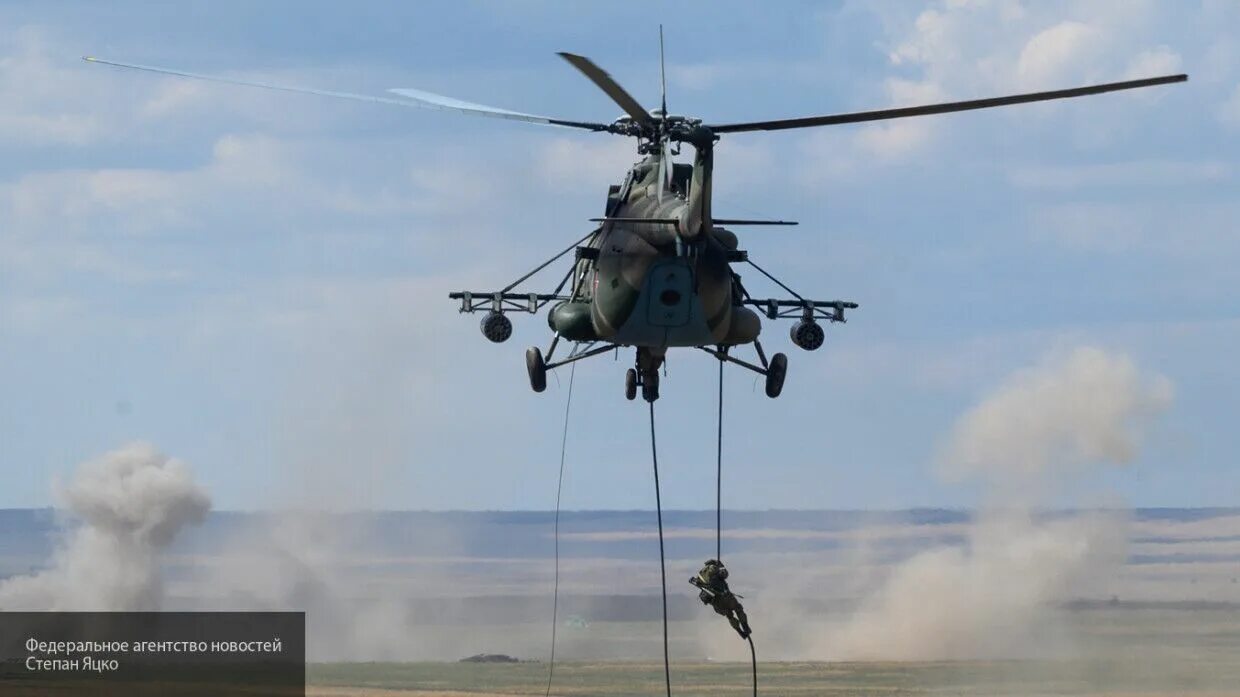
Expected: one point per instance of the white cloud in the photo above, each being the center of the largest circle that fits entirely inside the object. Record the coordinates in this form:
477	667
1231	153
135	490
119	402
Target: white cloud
53	98
964	49
1054	56
81	222
173	97
902	136
46	101
137	201
1160	60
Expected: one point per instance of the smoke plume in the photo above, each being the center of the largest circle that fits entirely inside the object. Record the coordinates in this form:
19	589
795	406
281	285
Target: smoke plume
126	506
1070	413
994	596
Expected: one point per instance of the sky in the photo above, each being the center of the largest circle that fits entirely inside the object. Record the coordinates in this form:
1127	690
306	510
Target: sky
257	282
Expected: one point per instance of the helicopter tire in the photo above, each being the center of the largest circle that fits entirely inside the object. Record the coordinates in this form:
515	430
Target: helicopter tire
776	371
650	386
630	384
537	368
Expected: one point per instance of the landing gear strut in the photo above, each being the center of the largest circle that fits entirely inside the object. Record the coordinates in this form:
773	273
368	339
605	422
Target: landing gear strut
537	364
774	370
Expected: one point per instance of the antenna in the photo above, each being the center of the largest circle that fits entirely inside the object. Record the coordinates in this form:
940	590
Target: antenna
665	165
662	73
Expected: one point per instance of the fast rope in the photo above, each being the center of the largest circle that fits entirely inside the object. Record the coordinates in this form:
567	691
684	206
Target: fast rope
559	489
753	654
658	503
719	474
658	498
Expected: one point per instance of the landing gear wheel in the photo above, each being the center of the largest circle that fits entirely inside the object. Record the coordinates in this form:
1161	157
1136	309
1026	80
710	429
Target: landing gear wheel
630	384
650	386
537	368
775	374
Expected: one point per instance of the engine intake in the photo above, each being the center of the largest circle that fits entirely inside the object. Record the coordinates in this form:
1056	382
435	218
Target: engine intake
808	335
496	327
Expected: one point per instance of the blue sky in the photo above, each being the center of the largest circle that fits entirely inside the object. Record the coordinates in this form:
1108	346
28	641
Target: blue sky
255	282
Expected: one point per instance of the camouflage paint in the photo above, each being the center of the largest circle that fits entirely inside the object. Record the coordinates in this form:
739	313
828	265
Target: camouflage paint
643	291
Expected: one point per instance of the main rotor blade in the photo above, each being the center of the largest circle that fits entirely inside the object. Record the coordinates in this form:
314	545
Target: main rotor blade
884	114
424	100
665	167
662	174
738	221
430	100
613	89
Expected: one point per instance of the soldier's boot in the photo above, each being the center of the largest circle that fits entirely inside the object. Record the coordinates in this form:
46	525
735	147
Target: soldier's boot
743	620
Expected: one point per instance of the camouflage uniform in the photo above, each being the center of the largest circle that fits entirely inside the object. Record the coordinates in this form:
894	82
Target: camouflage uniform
712	579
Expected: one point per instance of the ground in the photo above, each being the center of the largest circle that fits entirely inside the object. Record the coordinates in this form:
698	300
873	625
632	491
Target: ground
1106	650
1112	678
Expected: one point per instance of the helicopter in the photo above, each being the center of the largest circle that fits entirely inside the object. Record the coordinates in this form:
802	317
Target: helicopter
656	272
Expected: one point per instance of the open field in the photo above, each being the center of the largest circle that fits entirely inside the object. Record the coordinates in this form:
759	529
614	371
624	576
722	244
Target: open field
1025	678
1109	650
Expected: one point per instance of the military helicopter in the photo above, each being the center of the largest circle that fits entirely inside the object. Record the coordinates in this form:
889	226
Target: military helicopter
656	273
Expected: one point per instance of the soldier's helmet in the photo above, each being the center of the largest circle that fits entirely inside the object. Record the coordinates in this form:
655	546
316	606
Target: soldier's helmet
717	566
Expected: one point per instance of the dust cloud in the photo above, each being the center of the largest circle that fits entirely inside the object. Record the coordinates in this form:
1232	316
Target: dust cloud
995	595
1070	413
125	509
301	560
367	601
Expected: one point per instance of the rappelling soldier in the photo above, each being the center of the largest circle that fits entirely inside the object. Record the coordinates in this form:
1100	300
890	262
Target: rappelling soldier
712	581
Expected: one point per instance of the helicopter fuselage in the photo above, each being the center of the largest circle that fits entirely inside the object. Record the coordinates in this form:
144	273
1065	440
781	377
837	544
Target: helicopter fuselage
650	287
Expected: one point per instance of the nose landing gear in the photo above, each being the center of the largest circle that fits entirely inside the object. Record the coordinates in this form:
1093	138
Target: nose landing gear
645	374
648	383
